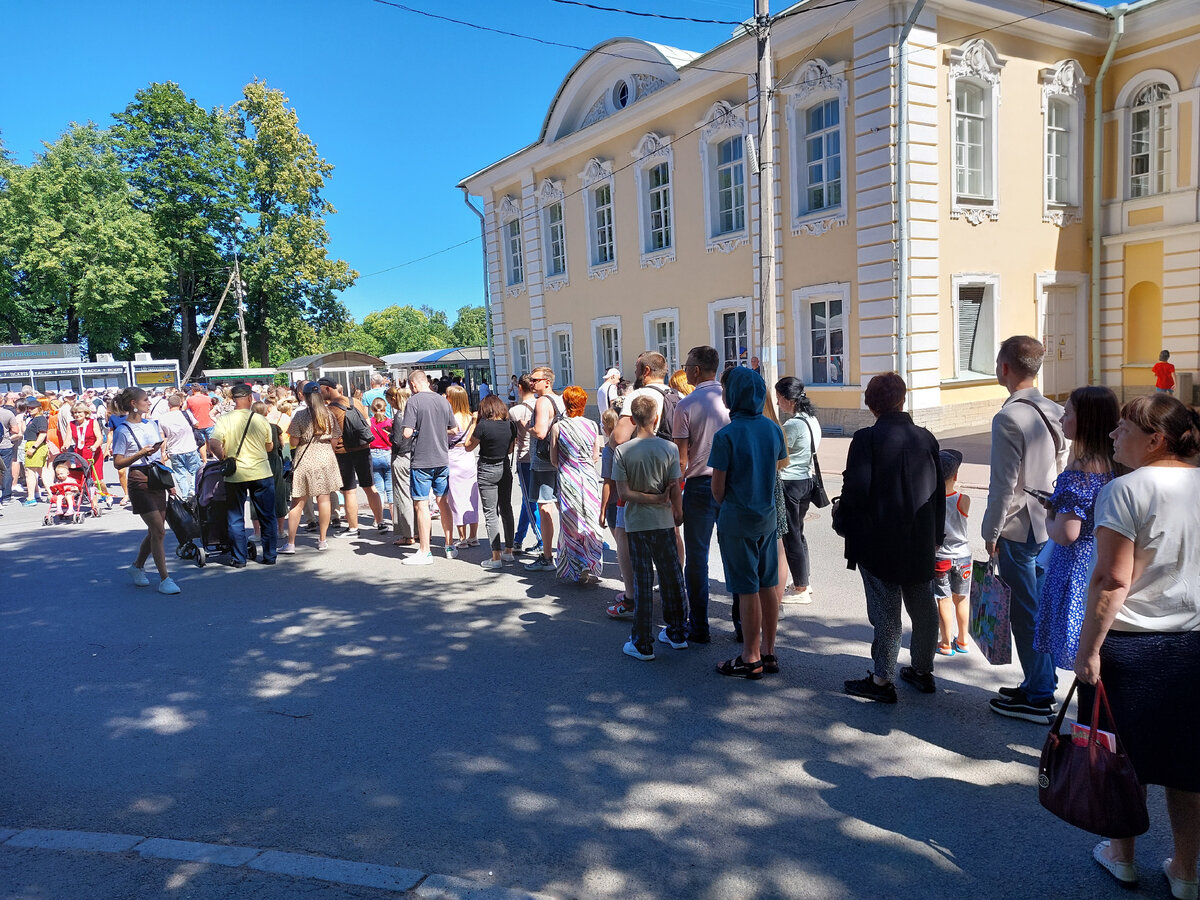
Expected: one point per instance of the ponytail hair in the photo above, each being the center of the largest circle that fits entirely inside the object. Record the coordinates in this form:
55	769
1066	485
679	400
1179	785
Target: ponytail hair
1178	423
127	398
792	390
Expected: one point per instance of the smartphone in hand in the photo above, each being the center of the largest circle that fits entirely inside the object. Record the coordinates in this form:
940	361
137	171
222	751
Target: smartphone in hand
1039	496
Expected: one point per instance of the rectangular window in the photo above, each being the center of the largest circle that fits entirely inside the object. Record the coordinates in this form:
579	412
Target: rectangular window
520	355
658	182
823	156
556	240
974	320
1058	153
516	264
827	341
735	339
731	186
602	226
564	368
970	135
608	345
666	343
1148	151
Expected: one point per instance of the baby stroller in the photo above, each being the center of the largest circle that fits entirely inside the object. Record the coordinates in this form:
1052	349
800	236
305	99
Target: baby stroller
210	511
70	495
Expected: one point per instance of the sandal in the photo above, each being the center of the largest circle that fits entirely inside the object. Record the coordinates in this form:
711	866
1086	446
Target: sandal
770	664
945	649
739	668
961	648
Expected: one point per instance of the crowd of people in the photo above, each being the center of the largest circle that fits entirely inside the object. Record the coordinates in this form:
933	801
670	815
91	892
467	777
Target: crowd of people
1090	517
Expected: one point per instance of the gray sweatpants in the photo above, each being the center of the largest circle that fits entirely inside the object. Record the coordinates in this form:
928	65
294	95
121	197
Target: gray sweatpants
883	611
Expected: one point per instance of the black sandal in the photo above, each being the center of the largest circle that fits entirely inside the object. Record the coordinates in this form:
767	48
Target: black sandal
770	664
739	668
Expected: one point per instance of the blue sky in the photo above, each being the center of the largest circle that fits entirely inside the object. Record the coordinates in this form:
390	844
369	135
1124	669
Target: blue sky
402	105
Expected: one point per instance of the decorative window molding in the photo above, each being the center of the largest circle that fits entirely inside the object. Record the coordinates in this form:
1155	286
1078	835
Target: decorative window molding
512	246
974	88
606	344
1062	158
1150	140
821	315
599	217
731	330
723	168
551	199
660	328
562	353
975	298
817	152
623	93
654	175
521	360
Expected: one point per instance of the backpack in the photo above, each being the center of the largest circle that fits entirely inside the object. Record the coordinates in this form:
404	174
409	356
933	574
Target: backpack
666	422
356	431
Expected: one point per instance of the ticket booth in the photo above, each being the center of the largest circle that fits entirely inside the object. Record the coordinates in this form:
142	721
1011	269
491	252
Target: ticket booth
154	374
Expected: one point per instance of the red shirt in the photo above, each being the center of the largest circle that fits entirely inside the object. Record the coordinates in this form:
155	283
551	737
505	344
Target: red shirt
1164	374
200	406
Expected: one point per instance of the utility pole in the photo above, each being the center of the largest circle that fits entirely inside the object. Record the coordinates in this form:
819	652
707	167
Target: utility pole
207	331
241	308
766	197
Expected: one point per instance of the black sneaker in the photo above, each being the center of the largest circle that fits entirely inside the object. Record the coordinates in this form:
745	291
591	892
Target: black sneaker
696	638
1021	707
1016	693
866	687
922	680
312	527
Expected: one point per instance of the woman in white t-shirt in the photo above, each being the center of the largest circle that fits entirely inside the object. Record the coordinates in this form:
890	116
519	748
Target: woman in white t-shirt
138	444
1141	631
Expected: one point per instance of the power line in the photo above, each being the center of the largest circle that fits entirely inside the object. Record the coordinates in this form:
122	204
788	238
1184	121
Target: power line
538	40
646	15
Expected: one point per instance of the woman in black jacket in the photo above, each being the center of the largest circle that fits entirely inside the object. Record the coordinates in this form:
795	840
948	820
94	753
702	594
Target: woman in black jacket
892	513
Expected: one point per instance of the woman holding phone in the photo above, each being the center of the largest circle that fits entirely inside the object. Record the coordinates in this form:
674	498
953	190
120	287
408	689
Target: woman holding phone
137	445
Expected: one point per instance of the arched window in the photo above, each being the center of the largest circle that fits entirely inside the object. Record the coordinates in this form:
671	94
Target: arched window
1150	140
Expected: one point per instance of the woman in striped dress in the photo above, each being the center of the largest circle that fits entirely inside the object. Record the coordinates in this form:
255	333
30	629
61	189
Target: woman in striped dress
574	449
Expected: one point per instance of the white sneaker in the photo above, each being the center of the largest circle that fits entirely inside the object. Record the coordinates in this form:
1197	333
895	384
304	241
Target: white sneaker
139	576
631	650
168	586
419	559
288	549
322	545
794	596
350	532
491	564
507	558
451	552
675	645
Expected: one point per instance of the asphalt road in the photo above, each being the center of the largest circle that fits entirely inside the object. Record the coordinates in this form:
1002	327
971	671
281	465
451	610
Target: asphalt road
487	727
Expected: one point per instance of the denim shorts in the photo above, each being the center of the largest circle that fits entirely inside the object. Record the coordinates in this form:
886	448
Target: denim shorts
437	478
543	486
955	581
751	563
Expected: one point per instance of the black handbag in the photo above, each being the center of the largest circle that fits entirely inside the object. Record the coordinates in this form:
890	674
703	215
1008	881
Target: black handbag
818	497
1090	786
229	464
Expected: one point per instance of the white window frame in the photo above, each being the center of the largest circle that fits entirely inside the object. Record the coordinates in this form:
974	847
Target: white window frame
521	362
976	63
652	151
603	360
563	374
550	196
716	330
650	322
720	124
599	173
1123	114
513	265
1159	145
990	282
803	300
816	82
1063	84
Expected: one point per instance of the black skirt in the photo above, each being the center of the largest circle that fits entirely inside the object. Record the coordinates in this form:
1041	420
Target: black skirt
1151	681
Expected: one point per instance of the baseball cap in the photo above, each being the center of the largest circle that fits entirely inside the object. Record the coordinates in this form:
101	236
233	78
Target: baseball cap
241	389
31	402
309	387
613	371
326	381
950	461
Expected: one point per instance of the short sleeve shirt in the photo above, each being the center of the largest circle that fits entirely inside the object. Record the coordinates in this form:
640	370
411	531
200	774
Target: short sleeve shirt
522	415
39	424
430	417
746	450
495	436
200	406
699	416
252	461
129	438
649	465
6	420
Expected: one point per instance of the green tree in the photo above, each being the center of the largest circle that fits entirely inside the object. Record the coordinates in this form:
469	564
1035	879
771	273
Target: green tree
86	262
401	329
182	160
284	256
470	327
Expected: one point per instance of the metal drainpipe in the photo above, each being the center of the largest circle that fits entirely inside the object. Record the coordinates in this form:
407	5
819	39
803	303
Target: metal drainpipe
487	285
1097	160
902	254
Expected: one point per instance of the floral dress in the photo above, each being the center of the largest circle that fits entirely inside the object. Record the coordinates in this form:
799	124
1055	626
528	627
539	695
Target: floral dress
1064	593
580	549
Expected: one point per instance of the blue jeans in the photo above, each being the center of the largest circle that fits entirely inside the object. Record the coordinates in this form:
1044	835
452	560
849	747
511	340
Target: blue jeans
6	458
184	466
699	516
1020	570
262	495
529	509
381	473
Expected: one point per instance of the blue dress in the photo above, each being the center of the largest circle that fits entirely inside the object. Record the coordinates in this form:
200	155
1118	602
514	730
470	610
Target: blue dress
1064	594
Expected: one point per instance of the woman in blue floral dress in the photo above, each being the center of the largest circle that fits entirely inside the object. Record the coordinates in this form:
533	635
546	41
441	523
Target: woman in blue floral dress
1091	415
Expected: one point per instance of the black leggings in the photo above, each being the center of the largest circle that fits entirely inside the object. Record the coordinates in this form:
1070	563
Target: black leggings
796	499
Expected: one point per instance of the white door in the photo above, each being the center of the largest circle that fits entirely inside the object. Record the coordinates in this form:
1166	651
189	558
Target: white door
1063	337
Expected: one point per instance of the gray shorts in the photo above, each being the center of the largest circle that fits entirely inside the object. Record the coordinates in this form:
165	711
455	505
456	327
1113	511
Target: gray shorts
955	581
543	485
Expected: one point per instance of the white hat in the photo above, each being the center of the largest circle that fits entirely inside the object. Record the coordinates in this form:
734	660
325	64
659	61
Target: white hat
613	372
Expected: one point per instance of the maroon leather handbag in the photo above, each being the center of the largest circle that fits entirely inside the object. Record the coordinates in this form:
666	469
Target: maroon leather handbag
1090	786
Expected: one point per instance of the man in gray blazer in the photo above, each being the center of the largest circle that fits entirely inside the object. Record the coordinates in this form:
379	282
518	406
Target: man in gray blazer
1028	451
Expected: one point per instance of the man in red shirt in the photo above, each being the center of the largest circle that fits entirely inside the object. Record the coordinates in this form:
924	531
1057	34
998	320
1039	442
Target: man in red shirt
199	405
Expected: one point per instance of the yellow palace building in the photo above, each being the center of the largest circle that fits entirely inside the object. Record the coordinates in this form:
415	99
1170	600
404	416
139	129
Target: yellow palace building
937	169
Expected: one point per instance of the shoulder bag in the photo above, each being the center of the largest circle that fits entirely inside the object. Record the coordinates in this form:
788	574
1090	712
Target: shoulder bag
1088	785
819	498
158	476
229	464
